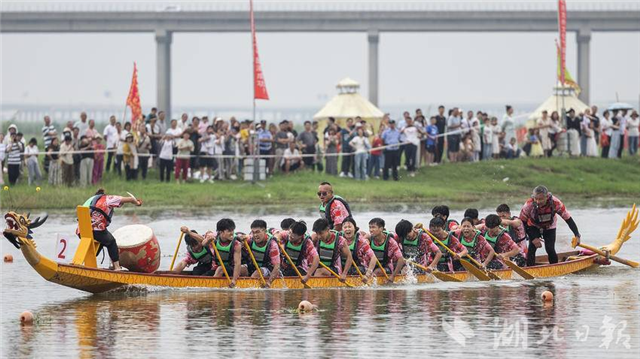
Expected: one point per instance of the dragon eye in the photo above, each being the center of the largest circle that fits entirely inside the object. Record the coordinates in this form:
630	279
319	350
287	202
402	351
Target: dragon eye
23	221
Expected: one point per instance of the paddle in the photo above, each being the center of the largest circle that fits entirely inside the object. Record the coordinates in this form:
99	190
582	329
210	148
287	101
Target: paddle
224	268
514	267
442	276
255	263
335	274
606	254
478	273
175	254
365	281
293	265
382	269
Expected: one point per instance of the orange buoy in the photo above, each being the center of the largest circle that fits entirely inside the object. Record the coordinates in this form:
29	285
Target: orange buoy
547	296
8	258
306	306
26	318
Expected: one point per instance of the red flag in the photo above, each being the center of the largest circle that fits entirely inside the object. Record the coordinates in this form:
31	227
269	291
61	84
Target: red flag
133	100
562	28
259	86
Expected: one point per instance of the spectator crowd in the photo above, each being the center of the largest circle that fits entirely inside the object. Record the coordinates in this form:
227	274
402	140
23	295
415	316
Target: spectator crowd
204	150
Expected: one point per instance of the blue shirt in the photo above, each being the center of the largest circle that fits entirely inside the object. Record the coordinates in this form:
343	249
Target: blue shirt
432	131
391	138
264	134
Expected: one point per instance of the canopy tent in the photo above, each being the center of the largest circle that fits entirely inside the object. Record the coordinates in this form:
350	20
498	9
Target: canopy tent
348	104
562	97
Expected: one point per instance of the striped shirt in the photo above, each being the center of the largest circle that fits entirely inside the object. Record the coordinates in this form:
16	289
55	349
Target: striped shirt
45	134
15	153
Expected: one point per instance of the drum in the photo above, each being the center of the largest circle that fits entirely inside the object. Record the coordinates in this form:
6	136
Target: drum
138	247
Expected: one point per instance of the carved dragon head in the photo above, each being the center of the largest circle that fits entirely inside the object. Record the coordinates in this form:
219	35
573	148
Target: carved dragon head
19	228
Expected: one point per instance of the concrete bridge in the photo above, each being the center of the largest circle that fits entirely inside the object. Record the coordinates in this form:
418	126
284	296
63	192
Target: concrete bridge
370	18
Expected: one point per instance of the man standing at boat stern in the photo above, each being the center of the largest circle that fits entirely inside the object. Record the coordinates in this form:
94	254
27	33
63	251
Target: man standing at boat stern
539	218
334	208
101	210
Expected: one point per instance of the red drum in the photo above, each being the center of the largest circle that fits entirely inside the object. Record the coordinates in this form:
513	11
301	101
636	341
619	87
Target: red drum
139	248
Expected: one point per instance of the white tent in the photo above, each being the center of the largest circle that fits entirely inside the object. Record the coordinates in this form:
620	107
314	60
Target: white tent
562	97
348	104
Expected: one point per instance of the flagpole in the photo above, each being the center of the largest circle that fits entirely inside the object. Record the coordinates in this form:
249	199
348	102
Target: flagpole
256	144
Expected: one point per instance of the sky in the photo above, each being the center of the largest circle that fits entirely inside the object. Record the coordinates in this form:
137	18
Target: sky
302	69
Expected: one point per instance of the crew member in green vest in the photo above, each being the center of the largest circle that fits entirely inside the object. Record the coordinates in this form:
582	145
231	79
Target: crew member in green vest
474	242
416	245
386	249
300	248
446	263
199	252
361	252
228	243
331	247
333	208
265	251
505	248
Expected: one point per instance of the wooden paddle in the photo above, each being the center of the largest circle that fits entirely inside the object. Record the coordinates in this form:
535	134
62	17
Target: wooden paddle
175	254
442	276
335	274
224	268
476	271
514	267
630	263
382	269
293	264
255	263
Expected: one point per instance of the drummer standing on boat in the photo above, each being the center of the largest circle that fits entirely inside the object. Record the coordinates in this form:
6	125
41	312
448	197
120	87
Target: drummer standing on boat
334	208
539	218
101	210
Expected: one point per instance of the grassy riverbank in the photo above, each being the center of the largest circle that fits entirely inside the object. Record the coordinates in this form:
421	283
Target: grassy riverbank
583	181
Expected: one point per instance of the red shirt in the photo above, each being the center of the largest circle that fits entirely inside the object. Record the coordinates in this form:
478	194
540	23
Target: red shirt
393	252
377	142
482	247
338	212
106	204
505	244
527	213
308	255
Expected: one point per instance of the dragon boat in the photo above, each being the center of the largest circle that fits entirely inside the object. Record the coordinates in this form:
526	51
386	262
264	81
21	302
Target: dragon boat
83	274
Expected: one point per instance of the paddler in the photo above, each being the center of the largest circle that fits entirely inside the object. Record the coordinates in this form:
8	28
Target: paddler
331	247
448	262
299	246
539	218
199	252
101	210
266	252
229	245
361	251
475	243
442	211
386	249
514	227
285	225
500	240
416	245
474	215
333	208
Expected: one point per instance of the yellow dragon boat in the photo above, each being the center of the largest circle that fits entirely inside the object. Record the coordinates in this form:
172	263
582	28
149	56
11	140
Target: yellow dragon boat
84	275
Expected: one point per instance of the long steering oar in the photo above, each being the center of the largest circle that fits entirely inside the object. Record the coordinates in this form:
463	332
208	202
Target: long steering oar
175	254
335	274
293	265
630	263
514	267
475	271
442	276
255	263
224	268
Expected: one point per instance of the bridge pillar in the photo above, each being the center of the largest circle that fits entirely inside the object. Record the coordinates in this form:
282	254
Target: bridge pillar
374	39
584	40
163	71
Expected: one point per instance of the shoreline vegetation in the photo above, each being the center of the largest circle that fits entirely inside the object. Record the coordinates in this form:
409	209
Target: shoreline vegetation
584	182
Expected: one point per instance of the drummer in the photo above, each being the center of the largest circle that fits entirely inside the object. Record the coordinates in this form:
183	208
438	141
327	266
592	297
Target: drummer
199	252
101	210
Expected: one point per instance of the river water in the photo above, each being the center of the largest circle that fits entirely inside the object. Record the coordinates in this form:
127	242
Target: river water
594	314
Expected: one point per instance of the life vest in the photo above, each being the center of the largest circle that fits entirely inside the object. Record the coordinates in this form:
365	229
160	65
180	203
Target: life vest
470	245
328	252
325	210
543	216
205	256
97	204
494	240
514	234
381	250
295	252
261	254
353	247
445	253
411	249
226	252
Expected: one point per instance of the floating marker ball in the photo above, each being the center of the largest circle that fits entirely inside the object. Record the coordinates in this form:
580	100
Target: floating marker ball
306	306
547	296
37	189
6	188
8	258
26	318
